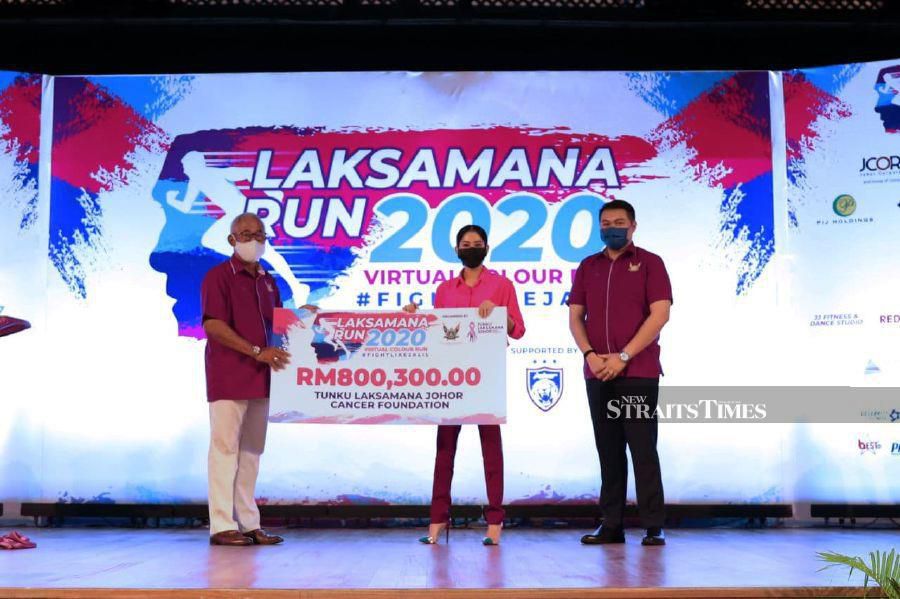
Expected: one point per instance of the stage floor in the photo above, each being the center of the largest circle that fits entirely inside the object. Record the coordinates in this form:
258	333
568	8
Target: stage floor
79	562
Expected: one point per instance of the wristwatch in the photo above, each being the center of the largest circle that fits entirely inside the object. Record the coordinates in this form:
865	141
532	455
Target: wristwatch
256	351
624	356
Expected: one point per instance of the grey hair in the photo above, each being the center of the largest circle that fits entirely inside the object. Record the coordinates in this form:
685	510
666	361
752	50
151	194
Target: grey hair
245	215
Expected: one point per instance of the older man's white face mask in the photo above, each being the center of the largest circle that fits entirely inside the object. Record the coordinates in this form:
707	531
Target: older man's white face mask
250	251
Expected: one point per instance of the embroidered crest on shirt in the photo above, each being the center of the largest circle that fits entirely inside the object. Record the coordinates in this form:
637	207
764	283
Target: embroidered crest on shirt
269	287
632	267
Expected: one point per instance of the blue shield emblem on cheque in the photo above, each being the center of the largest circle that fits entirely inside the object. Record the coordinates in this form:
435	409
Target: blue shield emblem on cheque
545	386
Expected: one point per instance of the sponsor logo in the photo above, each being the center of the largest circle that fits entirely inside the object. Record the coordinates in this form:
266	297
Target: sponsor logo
545	386
867	446
880	164
451	333
872	368
485	327
848	319
881	415
895	448
878	170
844	205
889	319
462	329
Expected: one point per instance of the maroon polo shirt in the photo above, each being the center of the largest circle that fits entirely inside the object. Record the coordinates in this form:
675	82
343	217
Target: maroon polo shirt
617	295
245	302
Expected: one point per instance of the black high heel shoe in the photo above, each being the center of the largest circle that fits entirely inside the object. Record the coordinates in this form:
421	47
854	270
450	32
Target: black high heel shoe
432	540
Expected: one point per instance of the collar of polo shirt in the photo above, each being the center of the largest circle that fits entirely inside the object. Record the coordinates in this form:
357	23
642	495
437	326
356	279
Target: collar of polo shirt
461	281
628	249
238	267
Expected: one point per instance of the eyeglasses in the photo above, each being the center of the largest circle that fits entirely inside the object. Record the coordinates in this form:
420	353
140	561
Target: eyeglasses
259	236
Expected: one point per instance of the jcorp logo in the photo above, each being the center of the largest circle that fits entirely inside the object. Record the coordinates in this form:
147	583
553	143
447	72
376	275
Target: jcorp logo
866	446
880	164
544	386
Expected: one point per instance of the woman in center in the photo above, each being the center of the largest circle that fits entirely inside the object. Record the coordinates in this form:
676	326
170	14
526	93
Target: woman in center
475	287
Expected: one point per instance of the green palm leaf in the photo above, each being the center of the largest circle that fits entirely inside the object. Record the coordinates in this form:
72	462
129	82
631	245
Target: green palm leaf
883	568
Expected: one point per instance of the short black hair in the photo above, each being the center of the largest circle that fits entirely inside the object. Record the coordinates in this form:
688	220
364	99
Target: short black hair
468	229
618	205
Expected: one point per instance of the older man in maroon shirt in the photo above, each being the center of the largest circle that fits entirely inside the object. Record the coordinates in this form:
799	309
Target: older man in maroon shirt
238	299
618	305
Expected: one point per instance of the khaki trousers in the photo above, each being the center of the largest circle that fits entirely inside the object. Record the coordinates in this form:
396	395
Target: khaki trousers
237	439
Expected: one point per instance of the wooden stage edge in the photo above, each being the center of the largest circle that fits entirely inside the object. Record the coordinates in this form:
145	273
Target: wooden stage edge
107	563
568	593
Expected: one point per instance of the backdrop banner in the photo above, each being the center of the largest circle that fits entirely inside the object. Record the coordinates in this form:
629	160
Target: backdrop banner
122	189
841	279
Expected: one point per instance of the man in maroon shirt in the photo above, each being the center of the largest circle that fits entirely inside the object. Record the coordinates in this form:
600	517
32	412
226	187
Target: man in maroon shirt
238	299
618	305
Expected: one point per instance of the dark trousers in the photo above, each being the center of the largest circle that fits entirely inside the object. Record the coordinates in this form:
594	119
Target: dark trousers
491	452
638	430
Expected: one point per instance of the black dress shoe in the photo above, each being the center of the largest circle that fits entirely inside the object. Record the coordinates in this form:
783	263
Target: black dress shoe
655	536
604	536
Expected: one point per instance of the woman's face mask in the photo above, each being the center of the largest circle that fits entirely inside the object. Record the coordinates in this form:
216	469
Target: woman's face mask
472	257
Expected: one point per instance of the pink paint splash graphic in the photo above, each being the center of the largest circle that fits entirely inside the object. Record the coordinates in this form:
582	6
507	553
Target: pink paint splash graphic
804	104
727	125
20	111
93	131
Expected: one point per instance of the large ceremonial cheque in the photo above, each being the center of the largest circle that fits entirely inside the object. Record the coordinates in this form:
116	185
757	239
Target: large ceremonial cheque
432	367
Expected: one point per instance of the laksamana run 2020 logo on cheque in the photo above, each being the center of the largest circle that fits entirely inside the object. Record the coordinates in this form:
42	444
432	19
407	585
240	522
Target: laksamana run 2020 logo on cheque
339	335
